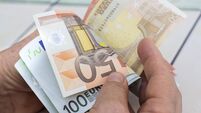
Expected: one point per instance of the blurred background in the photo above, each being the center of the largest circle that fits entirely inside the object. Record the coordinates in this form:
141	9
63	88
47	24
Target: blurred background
182	47
16	15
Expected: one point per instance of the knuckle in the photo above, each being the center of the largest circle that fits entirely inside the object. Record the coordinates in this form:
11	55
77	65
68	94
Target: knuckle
115	86
118	107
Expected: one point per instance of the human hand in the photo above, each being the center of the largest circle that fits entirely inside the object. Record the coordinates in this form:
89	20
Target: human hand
15	95
158	92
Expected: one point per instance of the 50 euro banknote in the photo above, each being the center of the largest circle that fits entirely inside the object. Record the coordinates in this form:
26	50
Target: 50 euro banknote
79	58
122	24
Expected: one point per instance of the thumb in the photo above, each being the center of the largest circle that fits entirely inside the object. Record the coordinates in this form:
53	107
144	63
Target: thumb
113	96
159	92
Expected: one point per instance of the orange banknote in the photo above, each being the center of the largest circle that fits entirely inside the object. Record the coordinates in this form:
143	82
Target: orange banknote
79	58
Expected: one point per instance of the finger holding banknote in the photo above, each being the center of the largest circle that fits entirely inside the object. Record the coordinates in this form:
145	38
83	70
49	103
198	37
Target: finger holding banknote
113	96
159	93
16	96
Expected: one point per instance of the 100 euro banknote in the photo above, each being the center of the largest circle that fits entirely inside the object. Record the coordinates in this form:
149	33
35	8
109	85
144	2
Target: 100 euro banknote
78	57
123	23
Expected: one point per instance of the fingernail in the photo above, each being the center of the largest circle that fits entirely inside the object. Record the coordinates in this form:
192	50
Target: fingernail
116	77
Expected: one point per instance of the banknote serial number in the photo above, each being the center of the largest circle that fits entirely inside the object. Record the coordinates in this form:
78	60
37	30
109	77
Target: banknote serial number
103	6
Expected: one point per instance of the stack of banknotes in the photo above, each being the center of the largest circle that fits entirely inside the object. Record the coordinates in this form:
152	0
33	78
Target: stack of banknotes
69	58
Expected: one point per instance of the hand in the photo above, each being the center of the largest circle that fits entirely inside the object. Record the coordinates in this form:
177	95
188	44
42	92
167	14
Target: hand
15	95
158	94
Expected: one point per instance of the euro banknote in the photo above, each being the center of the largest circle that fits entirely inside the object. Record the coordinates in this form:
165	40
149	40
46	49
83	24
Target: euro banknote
122	24
35	58
79	58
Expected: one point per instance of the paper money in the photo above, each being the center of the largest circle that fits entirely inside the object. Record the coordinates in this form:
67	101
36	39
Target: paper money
123	23
79	61
33	84
36	59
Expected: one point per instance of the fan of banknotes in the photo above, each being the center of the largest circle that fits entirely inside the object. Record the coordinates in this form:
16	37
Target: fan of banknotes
69	58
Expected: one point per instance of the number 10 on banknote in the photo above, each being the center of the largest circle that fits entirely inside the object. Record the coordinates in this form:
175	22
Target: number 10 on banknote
78	57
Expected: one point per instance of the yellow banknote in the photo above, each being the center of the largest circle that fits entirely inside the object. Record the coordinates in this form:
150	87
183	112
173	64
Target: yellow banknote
78	57
123	23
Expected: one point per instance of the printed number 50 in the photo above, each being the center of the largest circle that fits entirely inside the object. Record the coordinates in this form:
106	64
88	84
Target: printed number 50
97	60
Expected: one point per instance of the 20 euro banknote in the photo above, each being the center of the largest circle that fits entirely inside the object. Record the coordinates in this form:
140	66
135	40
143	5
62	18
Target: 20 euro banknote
123	23
79	60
